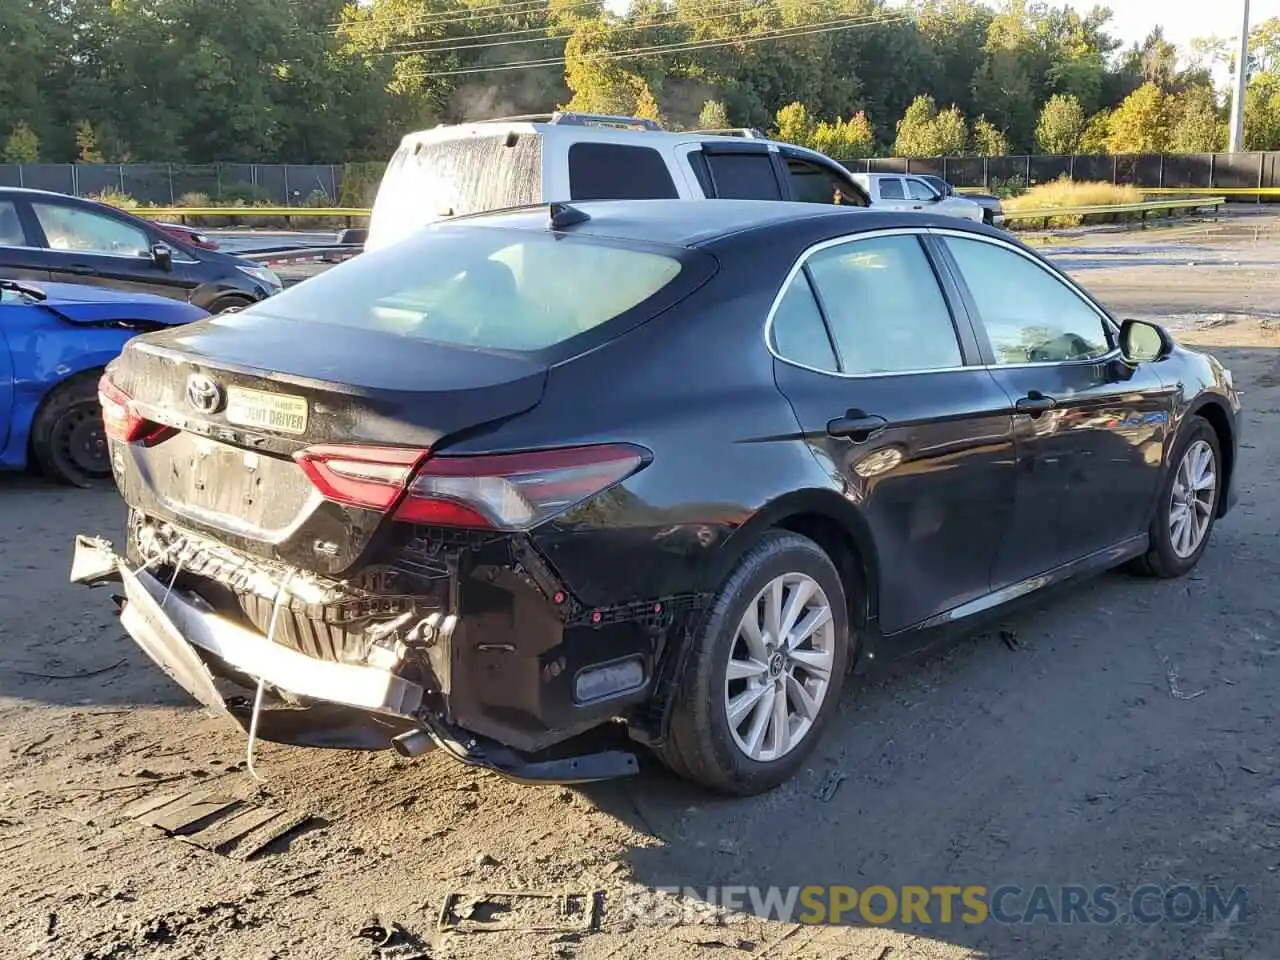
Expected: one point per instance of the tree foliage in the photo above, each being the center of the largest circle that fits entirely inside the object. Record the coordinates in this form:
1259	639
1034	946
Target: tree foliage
338	80
1141	123
1061	125
22	145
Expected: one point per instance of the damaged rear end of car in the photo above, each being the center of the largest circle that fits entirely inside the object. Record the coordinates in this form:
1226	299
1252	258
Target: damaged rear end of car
298	525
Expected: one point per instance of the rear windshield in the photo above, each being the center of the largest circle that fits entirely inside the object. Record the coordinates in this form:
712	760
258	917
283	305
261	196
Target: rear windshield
451	178
488	288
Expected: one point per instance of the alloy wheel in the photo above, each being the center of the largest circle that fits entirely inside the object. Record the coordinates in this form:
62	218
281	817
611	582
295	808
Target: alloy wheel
779	668
1193	499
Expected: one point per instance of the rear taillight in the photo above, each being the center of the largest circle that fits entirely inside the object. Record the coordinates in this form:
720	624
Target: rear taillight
121	418
510	491
372	477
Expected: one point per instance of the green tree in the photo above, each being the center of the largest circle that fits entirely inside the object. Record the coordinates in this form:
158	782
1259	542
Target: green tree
713	116
1141	123
849	139
987	140
22	145
924	132
87	143
1195	124
950	133
1262	112
1061	125
793	124
1097	133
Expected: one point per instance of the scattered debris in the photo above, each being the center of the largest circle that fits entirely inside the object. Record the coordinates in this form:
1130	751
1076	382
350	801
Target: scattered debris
72	676
219	822
403	951
712	941
830	784
1175	689
488	911
1097	797
1010	639
1248	769
51	926
381	932
485	860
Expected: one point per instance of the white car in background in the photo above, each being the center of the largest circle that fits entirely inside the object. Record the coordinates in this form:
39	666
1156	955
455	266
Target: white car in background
892	191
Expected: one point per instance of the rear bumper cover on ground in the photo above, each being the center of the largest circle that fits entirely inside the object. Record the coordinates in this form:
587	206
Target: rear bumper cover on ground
360	707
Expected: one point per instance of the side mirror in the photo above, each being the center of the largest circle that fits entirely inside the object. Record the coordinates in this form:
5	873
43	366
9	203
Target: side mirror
1142	342
162	255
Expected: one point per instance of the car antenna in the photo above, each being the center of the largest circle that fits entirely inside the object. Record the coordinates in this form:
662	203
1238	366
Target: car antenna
563	215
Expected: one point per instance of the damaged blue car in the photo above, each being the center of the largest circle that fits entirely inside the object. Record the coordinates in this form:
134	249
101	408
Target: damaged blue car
55	339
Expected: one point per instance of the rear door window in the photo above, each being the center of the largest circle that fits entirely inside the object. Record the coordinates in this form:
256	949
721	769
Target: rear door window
814	183
743	176
891	189
11	232
616	171
885	307
490	288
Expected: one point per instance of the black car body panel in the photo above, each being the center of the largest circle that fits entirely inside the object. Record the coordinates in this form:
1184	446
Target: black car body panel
957	501
208	278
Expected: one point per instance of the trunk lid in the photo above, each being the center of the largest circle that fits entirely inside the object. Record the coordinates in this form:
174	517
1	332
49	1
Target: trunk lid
243	393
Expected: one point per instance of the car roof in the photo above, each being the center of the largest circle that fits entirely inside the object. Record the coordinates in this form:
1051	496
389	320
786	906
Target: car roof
588	134
693	223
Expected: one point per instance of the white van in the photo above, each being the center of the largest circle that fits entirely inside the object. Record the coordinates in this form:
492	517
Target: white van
451	171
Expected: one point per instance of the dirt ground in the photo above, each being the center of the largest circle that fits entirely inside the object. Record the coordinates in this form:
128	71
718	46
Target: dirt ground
1125	738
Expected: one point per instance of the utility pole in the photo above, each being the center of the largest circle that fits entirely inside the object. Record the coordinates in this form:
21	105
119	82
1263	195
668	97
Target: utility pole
1242	78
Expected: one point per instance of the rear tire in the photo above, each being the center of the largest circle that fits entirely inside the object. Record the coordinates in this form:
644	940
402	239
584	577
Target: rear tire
68	438
230	304
1187	505
781	695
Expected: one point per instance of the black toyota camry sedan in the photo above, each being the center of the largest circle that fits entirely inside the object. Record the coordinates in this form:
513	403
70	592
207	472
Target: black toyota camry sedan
676	467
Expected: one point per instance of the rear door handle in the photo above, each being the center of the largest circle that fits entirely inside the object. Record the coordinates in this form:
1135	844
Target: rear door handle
80	270
856	426
1035	403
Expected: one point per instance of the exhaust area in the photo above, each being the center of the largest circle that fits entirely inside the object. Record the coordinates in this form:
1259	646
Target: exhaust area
413	743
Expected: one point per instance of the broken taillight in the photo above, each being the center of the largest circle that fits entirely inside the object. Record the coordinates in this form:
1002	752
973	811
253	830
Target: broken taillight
121	418
509	491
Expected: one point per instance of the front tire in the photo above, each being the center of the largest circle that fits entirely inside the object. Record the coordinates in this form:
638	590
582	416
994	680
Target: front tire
1188	504
764	672
68	438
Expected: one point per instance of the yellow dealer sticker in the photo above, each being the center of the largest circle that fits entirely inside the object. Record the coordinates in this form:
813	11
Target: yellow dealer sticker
270	411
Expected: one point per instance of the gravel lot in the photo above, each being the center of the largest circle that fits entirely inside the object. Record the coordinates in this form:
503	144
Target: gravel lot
1125	738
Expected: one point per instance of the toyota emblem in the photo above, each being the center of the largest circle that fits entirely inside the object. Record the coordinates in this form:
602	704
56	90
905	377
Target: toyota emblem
203	394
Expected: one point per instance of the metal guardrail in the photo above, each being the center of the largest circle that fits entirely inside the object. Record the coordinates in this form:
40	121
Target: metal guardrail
275	256
1048	213
1213	191
157	212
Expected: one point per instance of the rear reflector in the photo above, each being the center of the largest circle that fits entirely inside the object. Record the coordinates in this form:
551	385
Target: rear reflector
510	491
121	418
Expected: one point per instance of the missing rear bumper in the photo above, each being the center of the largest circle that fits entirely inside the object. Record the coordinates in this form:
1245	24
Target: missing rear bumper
357	707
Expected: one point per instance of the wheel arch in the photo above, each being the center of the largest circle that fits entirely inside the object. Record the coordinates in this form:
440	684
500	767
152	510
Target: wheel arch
38	396
830	521
1215	413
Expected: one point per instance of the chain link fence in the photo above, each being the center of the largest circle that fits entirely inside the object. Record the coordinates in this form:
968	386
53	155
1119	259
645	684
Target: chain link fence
299	185
165	184
1155	170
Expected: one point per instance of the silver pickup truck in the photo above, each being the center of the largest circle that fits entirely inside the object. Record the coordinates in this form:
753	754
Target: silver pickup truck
894	191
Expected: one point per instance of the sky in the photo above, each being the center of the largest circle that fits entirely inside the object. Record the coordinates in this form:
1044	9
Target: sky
1182	20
